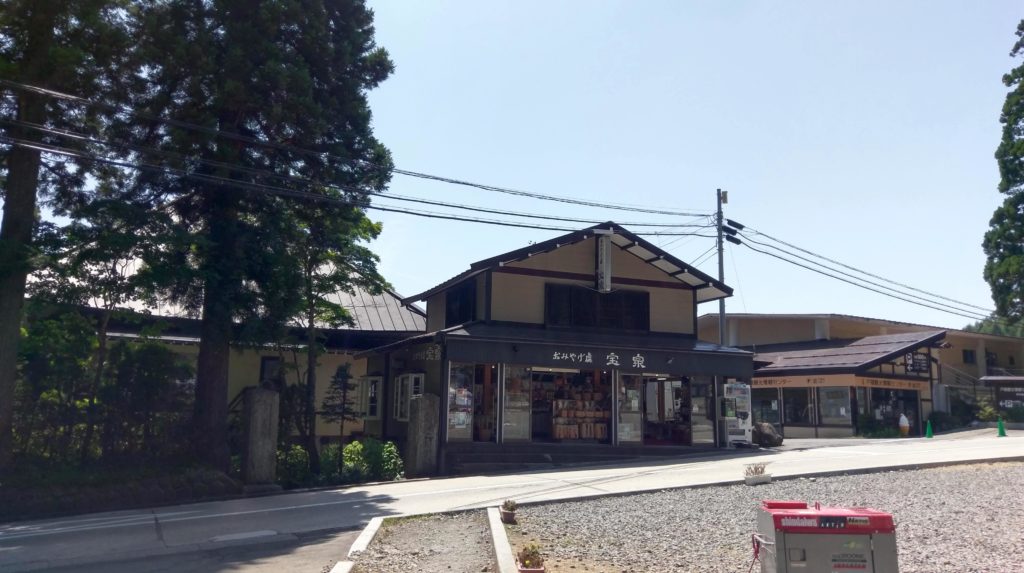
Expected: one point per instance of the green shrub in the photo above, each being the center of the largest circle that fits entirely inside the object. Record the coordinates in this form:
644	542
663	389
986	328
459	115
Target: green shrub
293	467
330	464
986	411
392	467
371	460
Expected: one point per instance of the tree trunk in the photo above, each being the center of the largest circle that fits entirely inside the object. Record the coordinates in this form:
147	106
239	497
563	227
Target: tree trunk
97	378
312	448
20	216
221	282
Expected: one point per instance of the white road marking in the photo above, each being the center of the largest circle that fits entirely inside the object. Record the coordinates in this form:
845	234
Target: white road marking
245	535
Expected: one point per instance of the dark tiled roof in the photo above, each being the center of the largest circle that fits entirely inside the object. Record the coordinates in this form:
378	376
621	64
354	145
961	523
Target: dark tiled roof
848	356
706	287
383	312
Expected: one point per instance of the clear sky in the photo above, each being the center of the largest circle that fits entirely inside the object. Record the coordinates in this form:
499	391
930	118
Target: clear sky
861	130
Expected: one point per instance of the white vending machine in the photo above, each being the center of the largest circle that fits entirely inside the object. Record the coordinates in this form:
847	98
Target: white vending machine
736	419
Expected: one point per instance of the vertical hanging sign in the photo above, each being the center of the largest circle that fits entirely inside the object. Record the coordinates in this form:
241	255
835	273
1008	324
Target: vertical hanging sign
604	262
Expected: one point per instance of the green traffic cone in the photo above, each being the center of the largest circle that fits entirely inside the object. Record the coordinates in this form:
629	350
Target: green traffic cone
1002	428
928	430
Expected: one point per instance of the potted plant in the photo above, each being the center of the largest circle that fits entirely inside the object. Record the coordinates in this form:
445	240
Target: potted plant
755	474
508	511
529	560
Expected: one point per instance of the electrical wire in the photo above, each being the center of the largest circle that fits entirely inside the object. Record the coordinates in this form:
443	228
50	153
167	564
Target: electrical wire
888	294
303	180
319	154
870	282
868	273
284	192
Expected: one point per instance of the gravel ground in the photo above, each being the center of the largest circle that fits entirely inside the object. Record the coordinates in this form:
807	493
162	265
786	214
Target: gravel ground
456	543
964	519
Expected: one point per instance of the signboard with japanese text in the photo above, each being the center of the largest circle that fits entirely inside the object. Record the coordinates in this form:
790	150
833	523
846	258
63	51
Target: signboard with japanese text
824	380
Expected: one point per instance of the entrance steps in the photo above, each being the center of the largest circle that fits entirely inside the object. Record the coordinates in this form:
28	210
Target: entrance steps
489	458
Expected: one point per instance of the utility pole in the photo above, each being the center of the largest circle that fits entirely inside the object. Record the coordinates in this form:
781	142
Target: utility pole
723	197
720	432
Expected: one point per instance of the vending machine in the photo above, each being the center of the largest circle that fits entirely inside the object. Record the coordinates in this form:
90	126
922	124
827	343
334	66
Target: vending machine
736	424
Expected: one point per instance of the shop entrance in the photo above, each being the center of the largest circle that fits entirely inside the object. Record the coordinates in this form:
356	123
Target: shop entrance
887	405
571	405
472	402
667	411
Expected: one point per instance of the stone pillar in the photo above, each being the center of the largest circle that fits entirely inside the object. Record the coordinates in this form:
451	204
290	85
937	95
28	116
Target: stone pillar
259	424
422	437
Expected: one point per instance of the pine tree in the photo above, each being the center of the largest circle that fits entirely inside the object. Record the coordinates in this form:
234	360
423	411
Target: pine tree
1004	242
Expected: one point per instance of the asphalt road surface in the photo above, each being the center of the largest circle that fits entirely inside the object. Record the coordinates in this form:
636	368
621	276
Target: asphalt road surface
307	531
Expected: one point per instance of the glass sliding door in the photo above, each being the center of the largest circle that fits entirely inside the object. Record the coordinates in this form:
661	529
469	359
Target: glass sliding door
630	411
460	402
518	404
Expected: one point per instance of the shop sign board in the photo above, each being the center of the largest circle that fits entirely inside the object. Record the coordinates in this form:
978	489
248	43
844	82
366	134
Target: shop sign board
824	380
917	362
1010	396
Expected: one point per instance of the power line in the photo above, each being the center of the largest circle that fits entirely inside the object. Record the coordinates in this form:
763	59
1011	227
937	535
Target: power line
307	181
284	192
870	282
888	294
319	154
868	273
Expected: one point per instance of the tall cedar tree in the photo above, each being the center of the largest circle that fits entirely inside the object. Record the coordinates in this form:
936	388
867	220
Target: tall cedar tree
286	72
1004	242
77	46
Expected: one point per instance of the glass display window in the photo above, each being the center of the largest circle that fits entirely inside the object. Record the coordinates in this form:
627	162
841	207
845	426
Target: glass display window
460	402
834	405
517	404
797	406
630	402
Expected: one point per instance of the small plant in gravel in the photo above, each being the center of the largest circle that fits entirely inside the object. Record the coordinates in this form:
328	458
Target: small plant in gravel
757	469
508	511
530	559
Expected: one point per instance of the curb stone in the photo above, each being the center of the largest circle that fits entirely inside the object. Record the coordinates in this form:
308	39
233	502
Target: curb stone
499	540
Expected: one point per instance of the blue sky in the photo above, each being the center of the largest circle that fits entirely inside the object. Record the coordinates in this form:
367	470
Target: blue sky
864	131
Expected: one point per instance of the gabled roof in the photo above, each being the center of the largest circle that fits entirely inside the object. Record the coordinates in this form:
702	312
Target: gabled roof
706	288
855	356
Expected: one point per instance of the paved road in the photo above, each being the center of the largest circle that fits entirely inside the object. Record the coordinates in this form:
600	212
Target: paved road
243	533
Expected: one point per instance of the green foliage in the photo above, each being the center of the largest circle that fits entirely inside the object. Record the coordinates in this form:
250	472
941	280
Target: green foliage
293	467
987	412
994	325
141	404
330	464
369	459
339	404
1004	242
530	557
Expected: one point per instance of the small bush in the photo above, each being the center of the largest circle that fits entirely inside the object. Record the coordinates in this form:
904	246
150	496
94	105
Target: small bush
293	467
986	411
509	505
372	460
530	557
330	464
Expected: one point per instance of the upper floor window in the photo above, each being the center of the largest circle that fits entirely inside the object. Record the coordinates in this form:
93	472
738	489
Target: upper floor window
568	305
969	357
460	304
